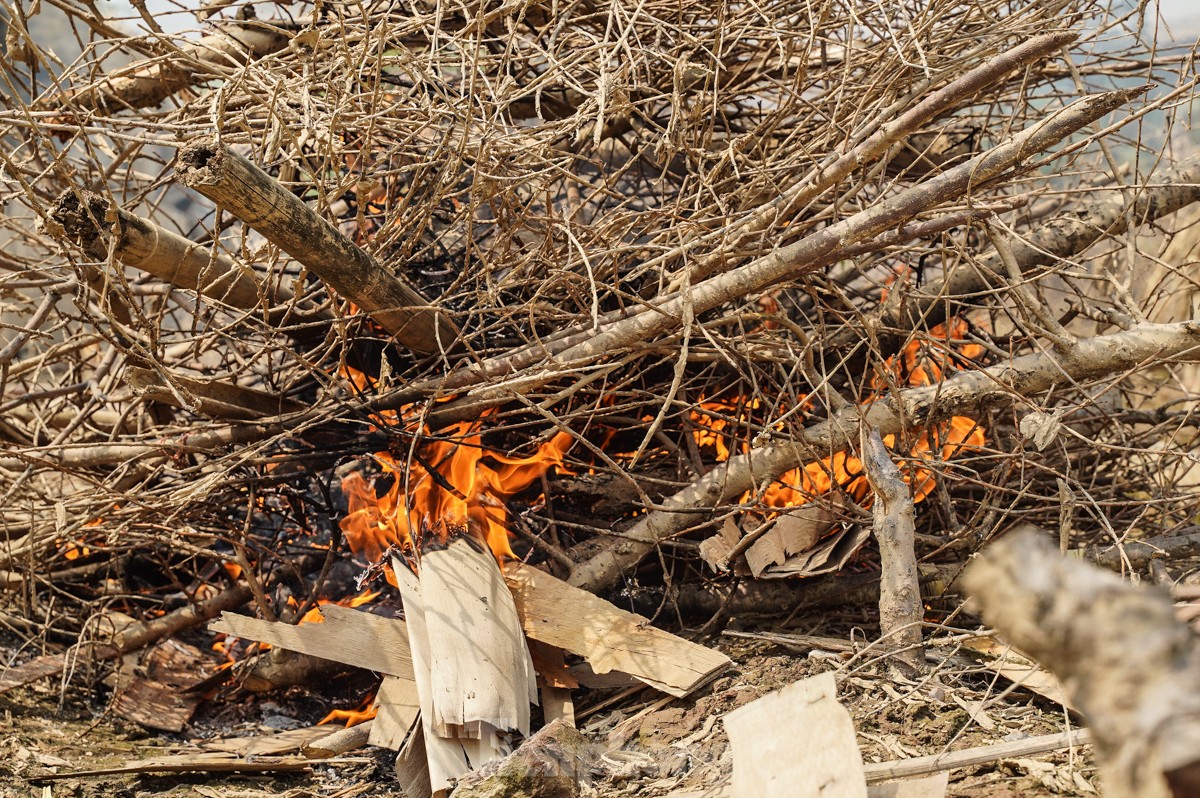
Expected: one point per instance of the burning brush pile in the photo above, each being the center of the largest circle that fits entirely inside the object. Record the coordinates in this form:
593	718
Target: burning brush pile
458	346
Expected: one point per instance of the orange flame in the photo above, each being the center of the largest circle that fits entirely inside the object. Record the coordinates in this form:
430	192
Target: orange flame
480	482
352	717
921	363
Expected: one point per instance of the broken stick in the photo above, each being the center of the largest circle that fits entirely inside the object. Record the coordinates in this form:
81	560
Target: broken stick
900	608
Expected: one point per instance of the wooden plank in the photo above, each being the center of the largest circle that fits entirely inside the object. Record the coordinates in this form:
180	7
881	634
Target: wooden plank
610	639
796	741
398	707
349	636
480	666
445	758
284	742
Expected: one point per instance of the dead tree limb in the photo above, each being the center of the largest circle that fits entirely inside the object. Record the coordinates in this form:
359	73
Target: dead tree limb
1139	347
95	223
137	637
838	167
814	251
1130	666
147	83
900	607
1063	237
262	203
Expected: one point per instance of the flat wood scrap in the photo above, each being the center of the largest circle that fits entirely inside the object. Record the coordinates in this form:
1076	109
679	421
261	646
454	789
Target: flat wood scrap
610	639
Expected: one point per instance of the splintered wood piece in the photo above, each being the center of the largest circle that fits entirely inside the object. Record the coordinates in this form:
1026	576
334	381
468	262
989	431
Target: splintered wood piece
796	741
349	636
481	668
158	697
398	707
445	758
610	639
284	742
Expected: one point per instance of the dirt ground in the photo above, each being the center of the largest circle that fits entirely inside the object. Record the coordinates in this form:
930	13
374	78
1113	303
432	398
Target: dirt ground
656	746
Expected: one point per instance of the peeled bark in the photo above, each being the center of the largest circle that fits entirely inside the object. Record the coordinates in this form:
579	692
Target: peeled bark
260	201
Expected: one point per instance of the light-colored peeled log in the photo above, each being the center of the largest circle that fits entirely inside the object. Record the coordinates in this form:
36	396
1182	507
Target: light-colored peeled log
260	201
95	223
900	608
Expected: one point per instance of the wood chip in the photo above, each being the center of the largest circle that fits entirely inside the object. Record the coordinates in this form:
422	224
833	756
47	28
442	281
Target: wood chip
610	639
796	741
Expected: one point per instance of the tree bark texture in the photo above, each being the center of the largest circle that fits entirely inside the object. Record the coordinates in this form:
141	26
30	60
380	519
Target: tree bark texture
261	202
1129	665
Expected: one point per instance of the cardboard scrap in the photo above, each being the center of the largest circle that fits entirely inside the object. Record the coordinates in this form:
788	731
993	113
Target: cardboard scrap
794	532
780	559
610	639
796	741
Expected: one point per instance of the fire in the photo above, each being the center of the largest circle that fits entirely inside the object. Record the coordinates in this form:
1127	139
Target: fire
922	362
452	482
352	717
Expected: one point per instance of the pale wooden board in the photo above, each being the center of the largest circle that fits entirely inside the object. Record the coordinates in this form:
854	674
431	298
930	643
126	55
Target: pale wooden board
446	759
283	742
610	639
481	668
349	636
397	708
796	741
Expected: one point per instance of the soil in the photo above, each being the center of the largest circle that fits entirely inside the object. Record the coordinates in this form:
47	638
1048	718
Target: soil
655	745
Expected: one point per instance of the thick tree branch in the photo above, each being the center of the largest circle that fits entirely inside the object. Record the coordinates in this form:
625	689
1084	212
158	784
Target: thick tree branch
1027	375
264	204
